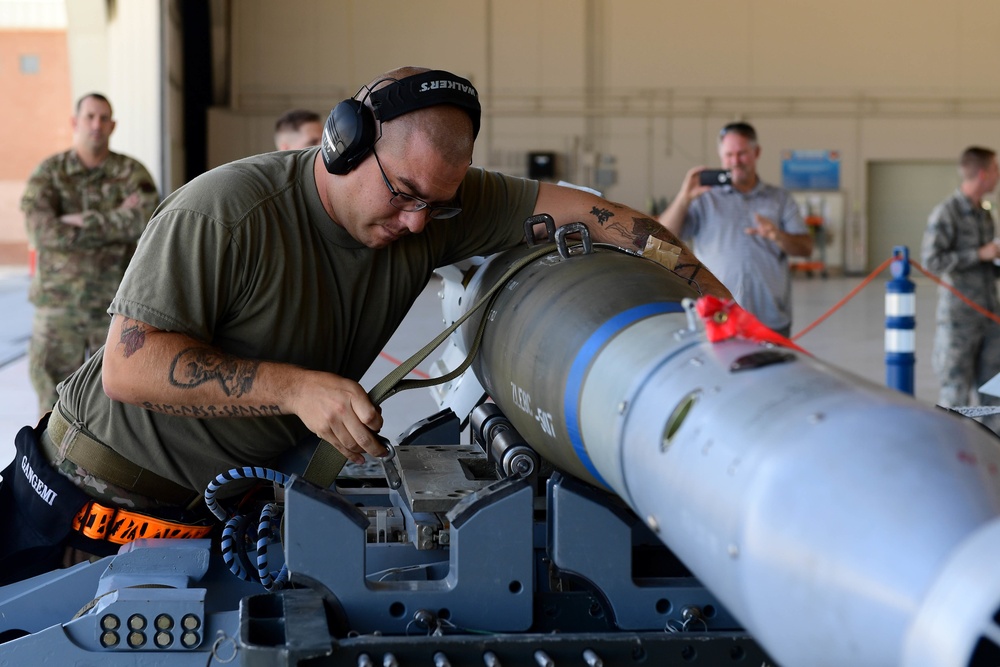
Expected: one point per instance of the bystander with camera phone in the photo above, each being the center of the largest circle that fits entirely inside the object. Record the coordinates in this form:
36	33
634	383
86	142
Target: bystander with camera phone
715	177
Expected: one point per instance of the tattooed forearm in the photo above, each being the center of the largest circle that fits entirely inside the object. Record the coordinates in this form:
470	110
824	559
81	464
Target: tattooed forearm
196	366
602	215
133	336
686	266
643	228
647	227
208	411
689	271
623	232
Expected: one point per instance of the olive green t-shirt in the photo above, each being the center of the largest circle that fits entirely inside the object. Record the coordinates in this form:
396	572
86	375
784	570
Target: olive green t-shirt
246	259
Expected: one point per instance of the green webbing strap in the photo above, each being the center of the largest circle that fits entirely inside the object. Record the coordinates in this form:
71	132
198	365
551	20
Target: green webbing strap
327	461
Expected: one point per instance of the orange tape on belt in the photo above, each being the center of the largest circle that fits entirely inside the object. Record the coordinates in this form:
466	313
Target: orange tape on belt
121	526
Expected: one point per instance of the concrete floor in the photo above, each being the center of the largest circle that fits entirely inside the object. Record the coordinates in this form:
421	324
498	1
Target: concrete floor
852	339
18	405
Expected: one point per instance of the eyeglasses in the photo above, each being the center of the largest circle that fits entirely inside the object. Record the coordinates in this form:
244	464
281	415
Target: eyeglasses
410	204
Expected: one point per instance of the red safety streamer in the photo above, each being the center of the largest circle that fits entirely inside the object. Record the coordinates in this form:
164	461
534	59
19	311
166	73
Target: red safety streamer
726	319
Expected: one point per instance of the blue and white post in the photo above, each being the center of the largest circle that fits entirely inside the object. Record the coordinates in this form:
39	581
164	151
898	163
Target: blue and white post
900	323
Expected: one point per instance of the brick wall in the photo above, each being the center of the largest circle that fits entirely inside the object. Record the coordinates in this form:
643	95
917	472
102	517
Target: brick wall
34	123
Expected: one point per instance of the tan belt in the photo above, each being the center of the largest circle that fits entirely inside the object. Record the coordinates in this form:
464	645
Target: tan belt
105	463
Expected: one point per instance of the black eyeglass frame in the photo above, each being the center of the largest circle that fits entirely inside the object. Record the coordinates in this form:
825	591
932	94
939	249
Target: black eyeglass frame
411	204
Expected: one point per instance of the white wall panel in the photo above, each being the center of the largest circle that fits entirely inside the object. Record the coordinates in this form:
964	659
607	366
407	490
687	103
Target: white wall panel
135	75
648	82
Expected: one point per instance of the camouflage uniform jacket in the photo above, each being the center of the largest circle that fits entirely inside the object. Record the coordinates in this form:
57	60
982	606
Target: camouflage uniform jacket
80	267
955	231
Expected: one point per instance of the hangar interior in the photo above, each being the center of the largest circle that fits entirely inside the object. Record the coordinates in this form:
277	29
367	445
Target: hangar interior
627	95
819	520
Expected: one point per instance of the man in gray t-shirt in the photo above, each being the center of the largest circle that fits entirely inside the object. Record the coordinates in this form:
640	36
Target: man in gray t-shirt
744	231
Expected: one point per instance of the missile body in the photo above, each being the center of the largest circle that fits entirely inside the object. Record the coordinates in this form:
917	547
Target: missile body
842	523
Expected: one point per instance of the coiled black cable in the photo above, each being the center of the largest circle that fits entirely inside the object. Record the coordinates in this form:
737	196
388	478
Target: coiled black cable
236	535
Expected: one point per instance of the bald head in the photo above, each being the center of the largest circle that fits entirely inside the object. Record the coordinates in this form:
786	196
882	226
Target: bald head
448	128
394	75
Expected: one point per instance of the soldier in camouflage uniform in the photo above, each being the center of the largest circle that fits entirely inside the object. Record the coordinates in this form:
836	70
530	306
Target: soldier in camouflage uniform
959	245
85	209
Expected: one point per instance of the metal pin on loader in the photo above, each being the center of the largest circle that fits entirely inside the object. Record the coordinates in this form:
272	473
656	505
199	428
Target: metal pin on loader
388	462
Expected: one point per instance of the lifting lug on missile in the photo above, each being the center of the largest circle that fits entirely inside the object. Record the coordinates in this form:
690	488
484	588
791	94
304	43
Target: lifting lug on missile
573	228
529	228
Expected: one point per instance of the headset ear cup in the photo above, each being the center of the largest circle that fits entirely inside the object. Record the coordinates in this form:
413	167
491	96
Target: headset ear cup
348	135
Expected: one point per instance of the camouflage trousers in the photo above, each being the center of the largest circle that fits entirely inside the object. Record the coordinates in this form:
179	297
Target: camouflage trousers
61	340
966	354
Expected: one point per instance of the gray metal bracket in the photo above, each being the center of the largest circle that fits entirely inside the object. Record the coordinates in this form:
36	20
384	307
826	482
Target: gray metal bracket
489	584
576	517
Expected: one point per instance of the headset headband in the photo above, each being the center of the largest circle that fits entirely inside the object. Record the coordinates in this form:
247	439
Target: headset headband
425	90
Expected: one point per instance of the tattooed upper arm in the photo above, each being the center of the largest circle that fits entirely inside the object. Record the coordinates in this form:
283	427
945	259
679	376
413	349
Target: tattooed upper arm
133	336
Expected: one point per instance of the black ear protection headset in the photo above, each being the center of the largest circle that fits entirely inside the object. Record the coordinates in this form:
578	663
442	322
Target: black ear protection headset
352	128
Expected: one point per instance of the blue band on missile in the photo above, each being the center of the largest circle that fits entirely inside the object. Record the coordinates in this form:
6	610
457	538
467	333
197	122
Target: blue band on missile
578	371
